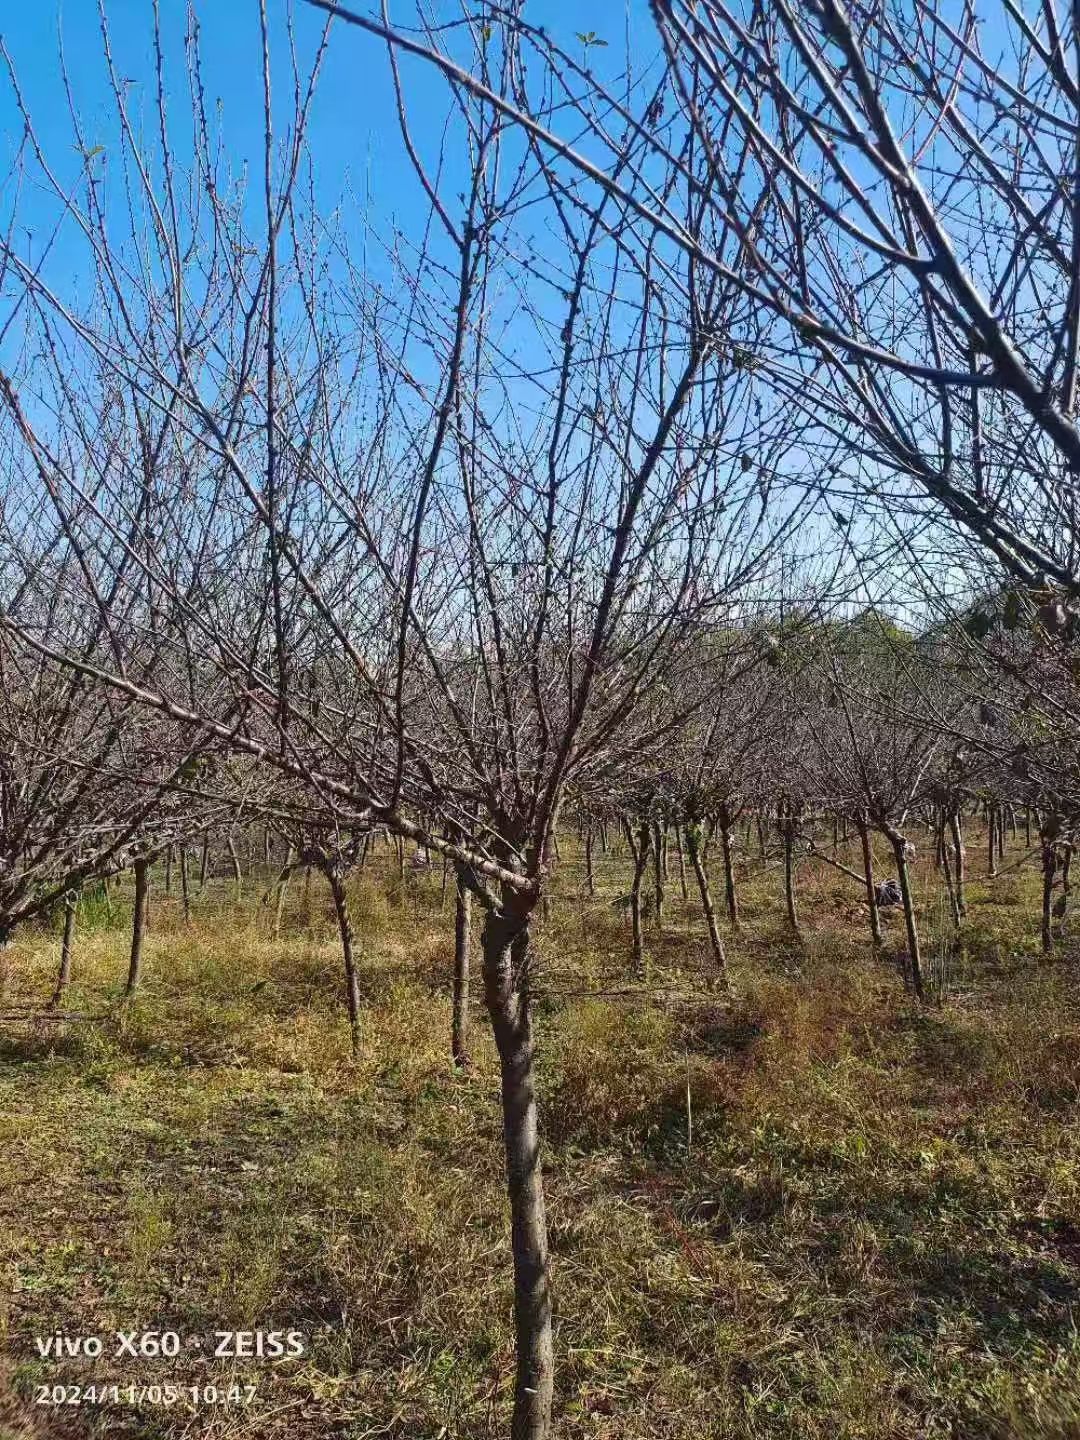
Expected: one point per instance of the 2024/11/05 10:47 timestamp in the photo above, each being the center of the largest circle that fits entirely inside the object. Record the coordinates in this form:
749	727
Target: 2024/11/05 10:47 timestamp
208	1394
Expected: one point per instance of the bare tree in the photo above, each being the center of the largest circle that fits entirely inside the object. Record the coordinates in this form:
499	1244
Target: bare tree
422	548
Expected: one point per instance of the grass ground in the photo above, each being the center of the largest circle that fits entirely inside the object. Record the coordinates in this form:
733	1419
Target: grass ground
814	1211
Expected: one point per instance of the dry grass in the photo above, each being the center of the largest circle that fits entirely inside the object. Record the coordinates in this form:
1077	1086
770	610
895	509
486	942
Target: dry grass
872	1229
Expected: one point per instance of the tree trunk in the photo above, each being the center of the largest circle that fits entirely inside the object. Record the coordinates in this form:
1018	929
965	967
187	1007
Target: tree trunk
958	860
658	874
1049	859
352	989
235	865
729	869
1066	886
640	852
185	889
67	945
462	931
204	861
283	885
897	842
871	890
693	846
138	924
682	864
590	883
168	870
787	830
991	833
954	904
505	942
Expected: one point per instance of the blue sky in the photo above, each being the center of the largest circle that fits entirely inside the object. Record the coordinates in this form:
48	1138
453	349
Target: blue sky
354	131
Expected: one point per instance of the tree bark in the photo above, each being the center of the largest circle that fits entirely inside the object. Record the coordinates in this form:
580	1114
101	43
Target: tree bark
505	943
462	934
138	924
67	946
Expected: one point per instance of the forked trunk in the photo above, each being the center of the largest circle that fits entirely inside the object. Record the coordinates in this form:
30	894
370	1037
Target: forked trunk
67	946
462	933
138	924
505	942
